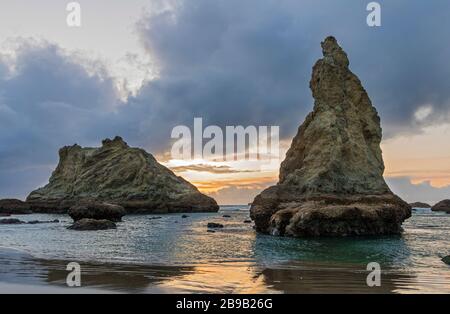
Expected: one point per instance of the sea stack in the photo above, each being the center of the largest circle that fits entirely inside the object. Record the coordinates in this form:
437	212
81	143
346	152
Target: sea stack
117	174
331	182
442	206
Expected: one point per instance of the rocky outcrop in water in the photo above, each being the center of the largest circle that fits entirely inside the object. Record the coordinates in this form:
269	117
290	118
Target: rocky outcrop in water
11	221
420	205
14	207
99	211
331	182
442	206
87	224
14	221
118	174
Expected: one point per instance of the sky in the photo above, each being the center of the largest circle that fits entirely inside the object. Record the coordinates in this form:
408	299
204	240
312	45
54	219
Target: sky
139	68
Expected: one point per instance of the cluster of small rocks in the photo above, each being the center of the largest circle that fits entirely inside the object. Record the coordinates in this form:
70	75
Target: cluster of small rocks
95	216
15	221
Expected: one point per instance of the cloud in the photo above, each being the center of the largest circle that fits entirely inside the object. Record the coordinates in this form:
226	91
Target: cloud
209	168
422	192
48	101
249	62
235	196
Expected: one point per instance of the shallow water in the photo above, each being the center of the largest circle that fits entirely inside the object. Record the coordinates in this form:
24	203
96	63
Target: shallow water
178	255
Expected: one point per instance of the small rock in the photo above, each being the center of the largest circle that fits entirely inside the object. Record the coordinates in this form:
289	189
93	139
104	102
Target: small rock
214	225
87	224
99	211
185	216
226	216
11	221
446	260
154	218
211	231
247	221
14	207
35	222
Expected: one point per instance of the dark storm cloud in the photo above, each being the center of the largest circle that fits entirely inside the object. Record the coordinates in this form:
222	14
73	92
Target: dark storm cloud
249	62
47	102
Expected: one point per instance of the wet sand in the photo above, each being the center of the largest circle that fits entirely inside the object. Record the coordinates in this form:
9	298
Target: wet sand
22	273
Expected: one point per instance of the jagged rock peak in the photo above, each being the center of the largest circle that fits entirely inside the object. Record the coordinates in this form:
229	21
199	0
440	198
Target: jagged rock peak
117	141
333	53
331	181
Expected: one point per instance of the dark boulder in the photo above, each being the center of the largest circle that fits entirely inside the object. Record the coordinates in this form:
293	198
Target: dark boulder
36	222
213	225
446	260
92	225
14	207
11	221
94	210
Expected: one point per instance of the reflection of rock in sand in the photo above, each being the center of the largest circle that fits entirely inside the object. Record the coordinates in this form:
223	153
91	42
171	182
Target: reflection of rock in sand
118	277
314	278
20	268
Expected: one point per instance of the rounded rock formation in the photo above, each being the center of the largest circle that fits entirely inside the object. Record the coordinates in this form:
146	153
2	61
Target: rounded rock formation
446	260
87	224
14	207
94	210
442	206
331	182
11	221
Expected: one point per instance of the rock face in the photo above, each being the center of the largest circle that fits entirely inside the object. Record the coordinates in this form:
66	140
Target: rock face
420	205
331	182
13	206
117	174
442	206
93	210
92	225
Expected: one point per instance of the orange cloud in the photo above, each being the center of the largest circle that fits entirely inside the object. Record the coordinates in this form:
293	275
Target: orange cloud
243	183
208	168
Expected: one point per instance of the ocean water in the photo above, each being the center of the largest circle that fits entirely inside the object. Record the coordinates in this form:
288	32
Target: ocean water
176	254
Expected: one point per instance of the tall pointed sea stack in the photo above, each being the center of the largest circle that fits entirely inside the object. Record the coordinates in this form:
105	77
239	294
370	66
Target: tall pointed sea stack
118	174
331	182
